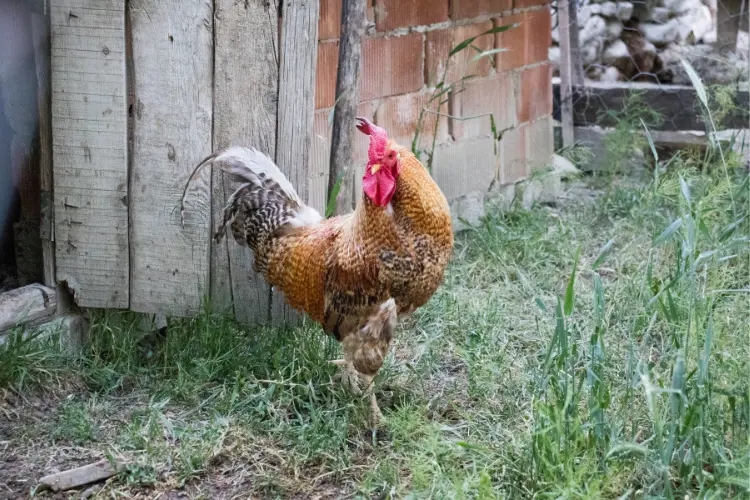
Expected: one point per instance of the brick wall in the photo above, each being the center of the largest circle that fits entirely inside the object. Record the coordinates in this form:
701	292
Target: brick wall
402	59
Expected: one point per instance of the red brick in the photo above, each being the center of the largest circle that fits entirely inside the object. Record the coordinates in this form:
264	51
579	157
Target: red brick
392	14
329	22
535	93
527	43
467	9
399	116
493	95
391	66
325	74
439	43
539	38
513	41
513	165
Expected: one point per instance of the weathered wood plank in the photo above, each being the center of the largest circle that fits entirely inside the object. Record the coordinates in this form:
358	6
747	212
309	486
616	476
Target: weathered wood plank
80	476
678	105
91	234
40	24
245	103
172	80
27	304
296	109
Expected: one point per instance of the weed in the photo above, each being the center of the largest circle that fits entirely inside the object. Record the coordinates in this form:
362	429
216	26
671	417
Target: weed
74	423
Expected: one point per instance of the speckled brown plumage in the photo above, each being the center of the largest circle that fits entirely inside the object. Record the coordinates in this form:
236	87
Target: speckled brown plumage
354	273
342	269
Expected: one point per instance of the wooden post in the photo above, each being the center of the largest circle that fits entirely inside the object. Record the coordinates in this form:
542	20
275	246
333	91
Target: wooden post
576	60
728	23
566	71
353	24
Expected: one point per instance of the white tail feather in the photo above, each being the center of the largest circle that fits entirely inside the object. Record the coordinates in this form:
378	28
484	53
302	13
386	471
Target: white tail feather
257	163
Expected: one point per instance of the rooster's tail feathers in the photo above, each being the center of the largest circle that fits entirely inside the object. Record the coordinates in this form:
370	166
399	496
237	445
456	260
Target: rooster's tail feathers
252	166
264	202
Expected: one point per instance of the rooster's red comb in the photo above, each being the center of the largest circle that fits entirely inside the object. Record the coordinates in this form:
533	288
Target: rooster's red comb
378	138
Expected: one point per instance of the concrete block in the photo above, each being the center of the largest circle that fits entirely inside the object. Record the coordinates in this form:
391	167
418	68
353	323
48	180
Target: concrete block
467	211
460	168
71	329
501	197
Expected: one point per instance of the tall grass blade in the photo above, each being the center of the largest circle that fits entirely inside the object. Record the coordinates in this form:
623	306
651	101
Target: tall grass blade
685	191
466	43
569	292
488	53
668	232
331	206
700	89
603	253
650	143
706	354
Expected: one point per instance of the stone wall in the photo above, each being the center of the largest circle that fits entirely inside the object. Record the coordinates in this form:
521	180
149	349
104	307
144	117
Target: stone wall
644	41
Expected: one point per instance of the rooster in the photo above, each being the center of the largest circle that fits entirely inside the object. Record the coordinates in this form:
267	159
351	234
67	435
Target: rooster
354	274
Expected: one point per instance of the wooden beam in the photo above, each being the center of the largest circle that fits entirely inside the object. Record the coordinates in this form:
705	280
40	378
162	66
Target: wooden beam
678	105
89	130
296	110
28	304
169	263
246	80
353	25
576	58
566	73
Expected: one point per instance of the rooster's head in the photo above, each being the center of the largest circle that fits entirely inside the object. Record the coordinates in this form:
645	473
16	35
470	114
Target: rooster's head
383	167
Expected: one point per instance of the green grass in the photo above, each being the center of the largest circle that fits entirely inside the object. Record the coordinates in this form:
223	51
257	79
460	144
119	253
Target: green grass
596	350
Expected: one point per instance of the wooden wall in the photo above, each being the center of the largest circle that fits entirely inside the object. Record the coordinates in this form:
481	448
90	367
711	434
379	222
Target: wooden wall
142	90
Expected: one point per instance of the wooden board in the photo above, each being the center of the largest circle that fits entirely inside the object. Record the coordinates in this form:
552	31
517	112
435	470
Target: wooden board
245	102
89	129
172	78
296	110
27	304
678	105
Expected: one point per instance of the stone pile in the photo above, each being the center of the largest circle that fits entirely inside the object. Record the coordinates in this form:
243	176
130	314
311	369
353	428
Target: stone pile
644	41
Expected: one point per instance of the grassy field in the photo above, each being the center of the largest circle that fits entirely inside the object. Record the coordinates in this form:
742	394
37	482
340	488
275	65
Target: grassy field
599	348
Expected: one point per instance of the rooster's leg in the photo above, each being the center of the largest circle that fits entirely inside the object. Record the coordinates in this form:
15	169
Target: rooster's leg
347	376
367	348
375	413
